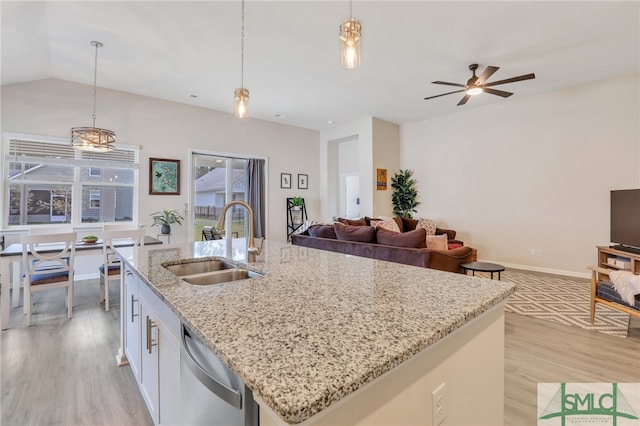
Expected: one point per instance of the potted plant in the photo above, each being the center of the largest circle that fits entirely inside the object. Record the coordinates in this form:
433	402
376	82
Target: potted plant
404	197
166	218
297	203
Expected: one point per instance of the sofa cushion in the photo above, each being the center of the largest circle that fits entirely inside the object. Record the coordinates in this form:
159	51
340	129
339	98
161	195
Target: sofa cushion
411	239
353	222
428	225
437	242
368	220
363	234
386	223
322	231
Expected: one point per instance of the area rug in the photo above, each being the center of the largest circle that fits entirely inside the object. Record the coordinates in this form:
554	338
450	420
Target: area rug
561	299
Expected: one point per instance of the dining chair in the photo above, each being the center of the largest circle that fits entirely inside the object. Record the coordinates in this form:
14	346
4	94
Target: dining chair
110	268
48	261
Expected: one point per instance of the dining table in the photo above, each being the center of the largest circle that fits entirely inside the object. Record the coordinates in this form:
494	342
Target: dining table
11	265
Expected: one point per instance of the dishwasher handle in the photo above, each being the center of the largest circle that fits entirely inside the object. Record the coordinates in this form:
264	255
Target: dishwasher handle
227	394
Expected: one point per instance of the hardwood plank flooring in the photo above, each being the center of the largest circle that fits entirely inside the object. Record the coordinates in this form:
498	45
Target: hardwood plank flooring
63	372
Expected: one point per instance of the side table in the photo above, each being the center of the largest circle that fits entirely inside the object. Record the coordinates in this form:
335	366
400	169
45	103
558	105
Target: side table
482	267
158	236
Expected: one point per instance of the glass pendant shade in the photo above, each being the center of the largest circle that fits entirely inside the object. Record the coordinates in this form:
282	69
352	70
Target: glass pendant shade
92	139
242	102
350	32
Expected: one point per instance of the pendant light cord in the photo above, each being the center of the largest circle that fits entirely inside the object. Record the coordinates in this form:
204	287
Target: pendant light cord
242	48
95	80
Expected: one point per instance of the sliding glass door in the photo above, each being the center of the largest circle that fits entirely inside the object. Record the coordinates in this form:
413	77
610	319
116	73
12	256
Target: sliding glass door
217	180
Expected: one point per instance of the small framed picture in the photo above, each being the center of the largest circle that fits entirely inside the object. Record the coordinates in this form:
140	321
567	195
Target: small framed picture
164	176
285	180
303	181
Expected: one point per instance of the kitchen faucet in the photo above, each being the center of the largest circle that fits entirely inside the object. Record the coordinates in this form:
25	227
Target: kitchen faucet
252	250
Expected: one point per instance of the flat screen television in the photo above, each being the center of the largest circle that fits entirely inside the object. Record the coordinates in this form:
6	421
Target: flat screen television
625	219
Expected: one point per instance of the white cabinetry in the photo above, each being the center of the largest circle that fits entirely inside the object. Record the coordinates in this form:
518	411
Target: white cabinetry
152	347
131	320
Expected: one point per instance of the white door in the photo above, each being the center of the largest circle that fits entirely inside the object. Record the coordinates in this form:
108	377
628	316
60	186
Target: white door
350	196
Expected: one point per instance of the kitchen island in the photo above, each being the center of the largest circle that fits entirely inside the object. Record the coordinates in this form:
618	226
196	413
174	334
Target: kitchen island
328	338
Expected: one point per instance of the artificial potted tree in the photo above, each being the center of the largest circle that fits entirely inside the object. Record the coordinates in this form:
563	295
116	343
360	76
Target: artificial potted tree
166	218
404	197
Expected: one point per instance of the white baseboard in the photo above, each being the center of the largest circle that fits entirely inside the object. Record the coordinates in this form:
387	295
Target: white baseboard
540	269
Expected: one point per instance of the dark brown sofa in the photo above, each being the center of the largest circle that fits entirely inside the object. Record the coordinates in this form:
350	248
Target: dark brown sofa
444	260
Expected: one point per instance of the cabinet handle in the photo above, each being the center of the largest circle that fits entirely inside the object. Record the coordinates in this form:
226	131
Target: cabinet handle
132	314
150	342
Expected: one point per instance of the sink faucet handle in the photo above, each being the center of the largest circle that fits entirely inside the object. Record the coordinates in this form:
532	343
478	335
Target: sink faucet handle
257	249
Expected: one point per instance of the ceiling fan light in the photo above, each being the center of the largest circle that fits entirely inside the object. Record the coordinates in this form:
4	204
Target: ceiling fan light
242	102
350	33
474	91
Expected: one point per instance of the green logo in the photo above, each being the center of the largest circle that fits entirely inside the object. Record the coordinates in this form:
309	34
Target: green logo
587	403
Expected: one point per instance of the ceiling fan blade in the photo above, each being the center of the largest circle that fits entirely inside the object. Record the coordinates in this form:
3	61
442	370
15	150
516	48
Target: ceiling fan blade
488	72
449	84
448	93
497	92
464	100
511	80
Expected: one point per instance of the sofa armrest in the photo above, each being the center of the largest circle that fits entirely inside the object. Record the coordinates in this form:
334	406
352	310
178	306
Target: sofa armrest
450	260
451	234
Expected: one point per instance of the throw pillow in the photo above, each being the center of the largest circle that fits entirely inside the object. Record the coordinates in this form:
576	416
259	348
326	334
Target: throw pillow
322	231
411	239
363	234
428	225
386	223
408	224
368	220
437	242
353	222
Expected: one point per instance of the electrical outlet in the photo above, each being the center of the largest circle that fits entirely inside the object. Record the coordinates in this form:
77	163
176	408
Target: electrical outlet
438	405
539	252
532	252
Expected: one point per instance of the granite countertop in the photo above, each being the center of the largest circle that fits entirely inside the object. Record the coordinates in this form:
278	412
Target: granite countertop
318	325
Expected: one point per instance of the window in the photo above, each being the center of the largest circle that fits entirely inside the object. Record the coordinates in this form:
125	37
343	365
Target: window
49	182
94	198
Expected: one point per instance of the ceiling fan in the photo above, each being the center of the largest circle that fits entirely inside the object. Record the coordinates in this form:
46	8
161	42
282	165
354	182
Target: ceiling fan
476	85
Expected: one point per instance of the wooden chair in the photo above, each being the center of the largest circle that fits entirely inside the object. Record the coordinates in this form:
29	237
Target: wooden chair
110	259
602	292
48	261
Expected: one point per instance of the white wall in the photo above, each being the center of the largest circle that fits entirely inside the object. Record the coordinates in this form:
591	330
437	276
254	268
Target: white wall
386	155
167	130
530	173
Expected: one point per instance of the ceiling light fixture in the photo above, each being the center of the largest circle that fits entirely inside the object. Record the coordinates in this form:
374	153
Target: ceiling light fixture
474	91
241	94
92	138
350	34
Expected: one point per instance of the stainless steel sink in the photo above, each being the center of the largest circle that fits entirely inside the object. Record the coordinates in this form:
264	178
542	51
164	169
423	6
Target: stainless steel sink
208	272
205	266
220	277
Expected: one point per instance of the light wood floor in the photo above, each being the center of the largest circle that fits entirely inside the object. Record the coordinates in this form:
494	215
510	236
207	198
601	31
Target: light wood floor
63	372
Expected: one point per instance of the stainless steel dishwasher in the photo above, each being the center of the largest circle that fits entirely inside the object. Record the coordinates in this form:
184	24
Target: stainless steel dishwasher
211	393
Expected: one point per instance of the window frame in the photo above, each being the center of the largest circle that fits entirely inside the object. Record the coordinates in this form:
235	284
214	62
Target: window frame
78	162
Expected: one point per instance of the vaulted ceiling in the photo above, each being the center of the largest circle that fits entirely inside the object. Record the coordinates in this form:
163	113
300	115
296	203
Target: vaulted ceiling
173	49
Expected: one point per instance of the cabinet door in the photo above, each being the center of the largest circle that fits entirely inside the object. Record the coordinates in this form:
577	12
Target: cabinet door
149	359
132	322
169	375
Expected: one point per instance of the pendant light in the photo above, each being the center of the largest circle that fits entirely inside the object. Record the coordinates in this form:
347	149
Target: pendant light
92	138
350	34
241	94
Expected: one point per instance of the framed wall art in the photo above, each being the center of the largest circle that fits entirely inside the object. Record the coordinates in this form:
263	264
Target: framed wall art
164	176
285	180
303	181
